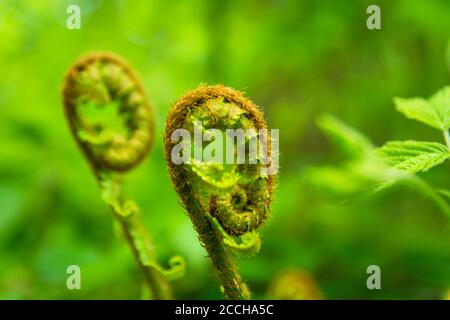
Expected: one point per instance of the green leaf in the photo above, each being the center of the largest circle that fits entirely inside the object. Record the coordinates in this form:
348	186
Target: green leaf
414	156
345	137
441	103
434	112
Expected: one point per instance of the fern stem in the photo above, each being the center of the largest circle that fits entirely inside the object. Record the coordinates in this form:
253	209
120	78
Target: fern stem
234	286
142	251
126	213
99	79
233	202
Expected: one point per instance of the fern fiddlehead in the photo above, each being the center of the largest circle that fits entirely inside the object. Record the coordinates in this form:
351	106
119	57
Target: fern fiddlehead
104	81
112	122
226	201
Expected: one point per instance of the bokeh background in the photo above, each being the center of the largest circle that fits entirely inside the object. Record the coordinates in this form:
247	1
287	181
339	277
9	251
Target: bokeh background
297	60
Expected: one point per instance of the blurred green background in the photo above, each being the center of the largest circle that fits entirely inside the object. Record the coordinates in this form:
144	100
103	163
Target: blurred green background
297	60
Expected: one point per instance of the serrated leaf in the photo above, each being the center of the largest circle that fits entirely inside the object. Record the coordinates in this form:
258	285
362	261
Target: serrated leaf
414	156
441	103
346	138
434	112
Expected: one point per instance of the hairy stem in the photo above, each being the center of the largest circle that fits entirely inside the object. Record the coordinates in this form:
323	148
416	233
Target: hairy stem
233	285
126	214
142	251
227	202
114	143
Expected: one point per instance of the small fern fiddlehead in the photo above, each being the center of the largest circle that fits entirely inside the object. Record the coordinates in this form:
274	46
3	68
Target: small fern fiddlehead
105	82
227	200
112	122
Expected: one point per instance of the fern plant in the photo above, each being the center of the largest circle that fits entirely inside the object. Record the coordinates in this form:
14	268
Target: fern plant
227	203
112	122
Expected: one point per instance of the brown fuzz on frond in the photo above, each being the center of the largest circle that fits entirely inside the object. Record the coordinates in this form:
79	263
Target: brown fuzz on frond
236	221
238	196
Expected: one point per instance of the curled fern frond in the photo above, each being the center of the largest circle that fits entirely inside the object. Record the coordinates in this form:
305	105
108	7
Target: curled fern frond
113	123
227	201
242	205
108	111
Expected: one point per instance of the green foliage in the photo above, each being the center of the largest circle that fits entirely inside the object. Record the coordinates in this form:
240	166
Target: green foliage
434	112
402	159
298	59
411	157
346	138
359	173
414	156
